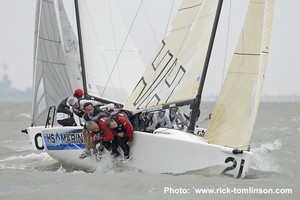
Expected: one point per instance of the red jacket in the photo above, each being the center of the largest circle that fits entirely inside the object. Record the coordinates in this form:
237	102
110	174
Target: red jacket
107	134
123	122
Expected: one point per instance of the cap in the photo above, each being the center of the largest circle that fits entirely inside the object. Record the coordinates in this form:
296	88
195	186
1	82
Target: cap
78	93
72	101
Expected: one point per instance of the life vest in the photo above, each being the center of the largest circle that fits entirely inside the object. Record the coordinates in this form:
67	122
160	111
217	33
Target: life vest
127	113
63	107
100	115
97	112
115	116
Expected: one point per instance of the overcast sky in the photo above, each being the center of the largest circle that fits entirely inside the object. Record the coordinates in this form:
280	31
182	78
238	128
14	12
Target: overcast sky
283	71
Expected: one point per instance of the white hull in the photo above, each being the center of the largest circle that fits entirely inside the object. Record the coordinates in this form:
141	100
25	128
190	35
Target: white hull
165	151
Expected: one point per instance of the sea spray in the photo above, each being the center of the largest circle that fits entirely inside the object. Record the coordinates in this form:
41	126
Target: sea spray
262	159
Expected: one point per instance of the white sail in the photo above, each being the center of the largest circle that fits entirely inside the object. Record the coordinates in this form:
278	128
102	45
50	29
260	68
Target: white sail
71	47
174	74
236	108
51	75
112	63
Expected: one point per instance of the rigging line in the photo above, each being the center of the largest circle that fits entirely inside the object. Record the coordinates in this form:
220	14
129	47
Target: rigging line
150	24
172	7
114	38
122	47
226	46
95	33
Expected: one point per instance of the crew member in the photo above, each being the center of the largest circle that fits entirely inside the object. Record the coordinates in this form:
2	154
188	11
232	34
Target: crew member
122	130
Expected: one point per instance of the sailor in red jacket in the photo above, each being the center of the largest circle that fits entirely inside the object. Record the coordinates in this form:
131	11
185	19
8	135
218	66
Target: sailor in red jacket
122	130
100	130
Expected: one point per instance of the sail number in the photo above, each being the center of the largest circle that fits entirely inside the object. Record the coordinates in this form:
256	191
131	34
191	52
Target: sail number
233	166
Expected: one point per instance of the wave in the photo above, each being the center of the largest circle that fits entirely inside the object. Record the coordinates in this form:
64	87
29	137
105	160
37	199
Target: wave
28	161
32	156
24	115
41	161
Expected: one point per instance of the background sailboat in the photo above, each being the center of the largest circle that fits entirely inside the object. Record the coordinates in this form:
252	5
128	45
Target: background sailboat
57	65
108	55
55	75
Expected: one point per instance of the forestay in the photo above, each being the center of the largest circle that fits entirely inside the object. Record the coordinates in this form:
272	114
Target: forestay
236	108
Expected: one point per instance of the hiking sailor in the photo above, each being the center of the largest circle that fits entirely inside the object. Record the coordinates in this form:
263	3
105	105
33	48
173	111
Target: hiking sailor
91	112
100	133
122	130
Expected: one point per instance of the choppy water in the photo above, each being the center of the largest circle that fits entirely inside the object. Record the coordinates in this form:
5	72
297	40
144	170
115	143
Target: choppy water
29	175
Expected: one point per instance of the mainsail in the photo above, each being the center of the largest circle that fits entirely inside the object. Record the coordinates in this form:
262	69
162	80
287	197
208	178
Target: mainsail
236	108
174	74
52	81
112	63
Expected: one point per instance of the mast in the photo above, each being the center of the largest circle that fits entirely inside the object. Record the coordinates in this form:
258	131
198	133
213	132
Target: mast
80	47
195	106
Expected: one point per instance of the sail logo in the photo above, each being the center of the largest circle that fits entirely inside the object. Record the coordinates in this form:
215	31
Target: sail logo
63	141
168	75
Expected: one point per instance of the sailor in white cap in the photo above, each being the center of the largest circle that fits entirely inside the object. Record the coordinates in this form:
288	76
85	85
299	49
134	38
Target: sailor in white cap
65	111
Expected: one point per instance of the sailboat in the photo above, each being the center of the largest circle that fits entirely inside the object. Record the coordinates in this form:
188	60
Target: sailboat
59	68
176	77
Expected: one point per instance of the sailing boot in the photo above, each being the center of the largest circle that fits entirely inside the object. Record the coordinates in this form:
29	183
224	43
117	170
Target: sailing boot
86	153
126	158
